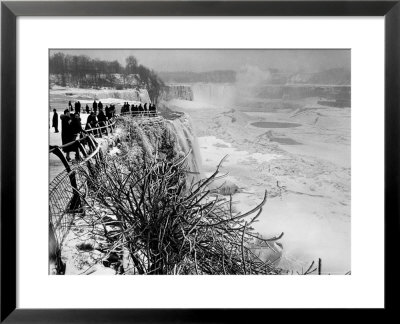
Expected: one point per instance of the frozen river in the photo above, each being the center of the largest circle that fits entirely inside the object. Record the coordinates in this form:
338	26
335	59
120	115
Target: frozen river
306	170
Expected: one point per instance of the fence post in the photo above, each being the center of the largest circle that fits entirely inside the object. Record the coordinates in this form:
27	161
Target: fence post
99	131
91	144
106	126
82	149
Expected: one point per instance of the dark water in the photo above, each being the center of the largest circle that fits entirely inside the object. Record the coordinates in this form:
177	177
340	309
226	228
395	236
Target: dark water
275	125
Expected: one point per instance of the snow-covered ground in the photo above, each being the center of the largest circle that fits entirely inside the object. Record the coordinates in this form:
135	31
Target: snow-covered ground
213	148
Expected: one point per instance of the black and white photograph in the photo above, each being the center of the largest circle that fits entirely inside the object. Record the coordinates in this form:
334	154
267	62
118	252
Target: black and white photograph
199	161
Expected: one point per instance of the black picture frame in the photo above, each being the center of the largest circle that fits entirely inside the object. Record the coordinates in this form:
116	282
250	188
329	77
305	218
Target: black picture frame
11	10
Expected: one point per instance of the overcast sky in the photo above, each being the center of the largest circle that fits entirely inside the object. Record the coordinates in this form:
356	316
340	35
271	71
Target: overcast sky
208	60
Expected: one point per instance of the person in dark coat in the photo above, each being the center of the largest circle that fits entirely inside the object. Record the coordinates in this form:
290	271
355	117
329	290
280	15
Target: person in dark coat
78	107
70	106
66	135
91	122
55	121
76	129
109	112
94	106
101	117
112	110
100	105
152	109
87	108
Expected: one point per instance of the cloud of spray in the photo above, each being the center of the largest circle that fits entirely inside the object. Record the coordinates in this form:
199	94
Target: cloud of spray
248	79
250	76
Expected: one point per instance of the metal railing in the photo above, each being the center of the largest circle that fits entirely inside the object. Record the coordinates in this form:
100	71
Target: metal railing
146	113
108	127
67	188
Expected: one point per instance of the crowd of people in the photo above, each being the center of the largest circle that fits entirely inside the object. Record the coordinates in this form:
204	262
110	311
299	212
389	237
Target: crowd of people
149	109
99	116
71	128
109	111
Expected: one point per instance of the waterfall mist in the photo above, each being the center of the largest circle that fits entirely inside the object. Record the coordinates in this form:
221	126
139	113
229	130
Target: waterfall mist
248	80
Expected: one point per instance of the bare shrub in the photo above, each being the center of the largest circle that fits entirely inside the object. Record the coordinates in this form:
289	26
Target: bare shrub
159	223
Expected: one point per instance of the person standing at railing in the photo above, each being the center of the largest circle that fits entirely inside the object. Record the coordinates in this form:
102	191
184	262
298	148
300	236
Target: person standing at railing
95	107
76	130
76	125
100	105
66	135
91	122
87	109
55	121
109	112
152	110
140	109
101	117
70	106
112	110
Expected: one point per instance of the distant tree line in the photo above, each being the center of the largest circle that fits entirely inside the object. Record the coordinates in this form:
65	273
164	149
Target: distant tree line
85	72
